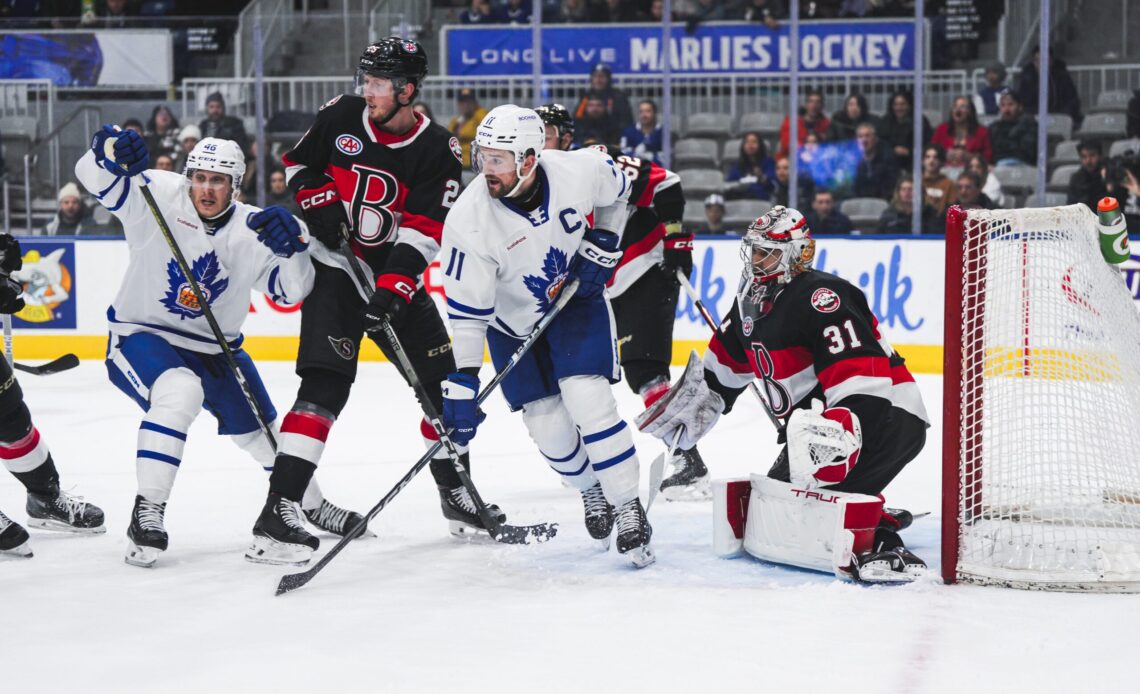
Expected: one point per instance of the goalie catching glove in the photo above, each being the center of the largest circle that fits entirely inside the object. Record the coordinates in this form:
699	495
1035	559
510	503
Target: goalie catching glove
689	403
823	445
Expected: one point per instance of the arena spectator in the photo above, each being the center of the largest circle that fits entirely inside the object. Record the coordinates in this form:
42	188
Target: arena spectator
1014	133
754	170
134	124
805	187
187	138
962	134
897	219
986	100
714	215
970	195
1087	184
811	118
279	193
480	12
218	124
876	174
595	127
1063	96
896	127
825	218
161	131
164	162
939	189
575	11
518	11
844	121
645	139
991	186
72	218
111	14
463	125
770	12
614	101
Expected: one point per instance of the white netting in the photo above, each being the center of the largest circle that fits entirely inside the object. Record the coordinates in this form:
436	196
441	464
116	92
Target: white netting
1050	406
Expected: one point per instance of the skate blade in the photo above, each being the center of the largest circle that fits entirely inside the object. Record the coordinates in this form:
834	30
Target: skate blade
20	551
700	490
602	543
61	527
466	531
138	555
641	556
268	551
874	574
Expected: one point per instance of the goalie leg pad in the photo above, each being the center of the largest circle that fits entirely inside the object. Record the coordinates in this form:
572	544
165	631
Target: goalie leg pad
730	511
550	427
810	528
605	435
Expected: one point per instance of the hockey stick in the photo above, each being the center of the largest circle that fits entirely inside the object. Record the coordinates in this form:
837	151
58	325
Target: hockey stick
246	389
657	469
67	361
507	534
292	582
703	310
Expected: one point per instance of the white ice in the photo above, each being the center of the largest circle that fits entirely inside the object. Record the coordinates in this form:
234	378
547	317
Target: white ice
416	610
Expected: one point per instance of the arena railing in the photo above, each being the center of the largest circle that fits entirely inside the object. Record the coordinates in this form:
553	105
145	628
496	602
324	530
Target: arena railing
1090	80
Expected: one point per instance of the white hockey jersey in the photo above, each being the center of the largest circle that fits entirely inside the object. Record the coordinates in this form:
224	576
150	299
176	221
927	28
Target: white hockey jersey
228	263
503	266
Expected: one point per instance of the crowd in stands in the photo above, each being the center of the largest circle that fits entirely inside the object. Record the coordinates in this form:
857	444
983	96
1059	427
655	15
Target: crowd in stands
107	14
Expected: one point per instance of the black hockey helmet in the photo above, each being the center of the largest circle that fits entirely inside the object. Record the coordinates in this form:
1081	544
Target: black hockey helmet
396	58
557	116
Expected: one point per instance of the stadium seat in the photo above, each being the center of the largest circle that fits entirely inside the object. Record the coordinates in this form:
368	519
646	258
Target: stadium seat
1122	146
738	214
1016	180
729	153
1113	100
694	217
716	126
697	183
1059	126
767	124
18	134
864	212
1103	126
695	152
1059	181
1065	153
1051	200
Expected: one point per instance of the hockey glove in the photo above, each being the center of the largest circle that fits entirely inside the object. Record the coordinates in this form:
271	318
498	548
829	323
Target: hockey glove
121	152
394	291
678	249
278	230
323	212
823	444
10	299
595	261
461	414
10	256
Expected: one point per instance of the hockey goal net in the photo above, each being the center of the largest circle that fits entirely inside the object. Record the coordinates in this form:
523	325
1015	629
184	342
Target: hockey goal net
1041	445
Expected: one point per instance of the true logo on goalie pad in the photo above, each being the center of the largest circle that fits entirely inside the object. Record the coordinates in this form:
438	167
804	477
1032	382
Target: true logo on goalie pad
824	300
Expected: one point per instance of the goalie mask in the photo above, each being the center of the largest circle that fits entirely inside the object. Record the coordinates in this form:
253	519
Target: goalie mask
776	248
512	129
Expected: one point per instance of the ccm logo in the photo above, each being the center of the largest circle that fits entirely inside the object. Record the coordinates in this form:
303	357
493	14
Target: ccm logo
404	288
832	499
603	259
319	199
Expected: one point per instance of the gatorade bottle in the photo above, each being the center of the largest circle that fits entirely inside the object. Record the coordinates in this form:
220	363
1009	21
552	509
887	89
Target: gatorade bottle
1113	231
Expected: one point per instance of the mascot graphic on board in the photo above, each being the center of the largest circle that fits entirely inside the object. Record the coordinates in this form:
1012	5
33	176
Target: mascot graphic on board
47	284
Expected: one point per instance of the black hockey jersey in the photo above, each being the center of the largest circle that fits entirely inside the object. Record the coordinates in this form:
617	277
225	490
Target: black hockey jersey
396	189
819	340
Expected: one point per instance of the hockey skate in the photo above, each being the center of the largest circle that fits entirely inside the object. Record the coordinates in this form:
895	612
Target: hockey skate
13	538
279	535
63	512
336	520
459	510
689	478
146	535
634	533
889	562
599	515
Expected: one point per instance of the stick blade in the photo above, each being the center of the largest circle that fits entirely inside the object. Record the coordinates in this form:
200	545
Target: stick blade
291	582
656	474
67	361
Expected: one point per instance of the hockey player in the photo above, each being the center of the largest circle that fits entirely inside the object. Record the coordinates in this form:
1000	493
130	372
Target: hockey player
644	288
24	453
162	352
388	175
854	414
530	220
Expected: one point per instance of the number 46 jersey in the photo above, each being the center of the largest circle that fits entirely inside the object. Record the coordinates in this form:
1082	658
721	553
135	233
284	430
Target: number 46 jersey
396	189
819	340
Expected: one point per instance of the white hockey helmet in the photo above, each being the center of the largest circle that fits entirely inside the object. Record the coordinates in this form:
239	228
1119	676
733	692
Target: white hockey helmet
221	156
776	248
511	128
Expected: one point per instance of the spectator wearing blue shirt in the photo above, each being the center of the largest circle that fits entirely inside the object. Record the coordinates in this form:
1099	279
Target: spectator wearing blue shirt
754	171
986	100
481	12
518	12
644	140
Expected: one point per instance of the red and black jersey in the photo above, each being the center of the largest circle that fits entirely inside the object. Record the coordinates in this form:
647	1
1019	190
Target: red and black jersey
396	189
819	340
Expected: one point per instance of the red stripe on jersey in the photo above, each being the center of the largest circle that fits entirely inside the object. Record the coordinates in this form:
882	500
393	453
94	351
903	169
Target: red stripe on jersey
21	448
307	424
425	225
726	359
639	249
840	371
387	138
900	374
590	220
656	176
790	361
875	327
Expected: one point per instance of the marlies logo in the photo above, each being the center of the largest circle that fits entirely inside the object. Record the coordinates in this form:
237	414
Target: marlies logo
349	144
456	149
180	299
546	287
824	300
344	347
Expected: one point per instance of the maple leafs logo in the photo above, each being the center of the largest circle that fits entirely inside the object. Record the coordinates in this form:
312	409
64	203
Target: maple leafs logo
546	287
179	298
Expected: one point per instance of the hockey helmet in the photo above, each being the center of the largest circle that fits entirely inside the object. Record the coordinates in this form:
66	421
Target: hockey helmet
221	156
558	117
400	60
776	248
512	128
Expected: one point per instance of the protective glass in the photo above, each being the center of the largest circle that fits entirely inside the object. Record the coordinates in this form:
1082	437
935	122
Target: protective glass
374	86
494	162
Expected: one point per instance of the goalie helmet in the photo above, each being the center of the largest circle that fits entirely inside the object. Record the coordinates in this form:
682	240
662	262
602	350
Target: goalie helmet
400	60
218	155
558	117
776	248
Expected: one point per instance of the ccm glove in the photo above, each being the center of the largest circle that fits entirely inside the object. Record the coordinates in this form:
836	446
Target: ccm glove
460	413
394	291
10	256
323	212
678	249
121	152
595	261
278	230
10	300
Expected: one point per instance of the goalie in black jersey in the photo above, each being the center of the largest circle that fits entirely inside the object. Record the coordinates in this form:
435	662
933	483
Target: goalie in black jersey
22	449
853	414
388	175
644	289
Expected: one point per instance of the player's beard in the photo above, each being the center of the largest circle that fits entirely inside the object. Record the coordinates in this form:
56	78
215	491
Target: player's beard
503	187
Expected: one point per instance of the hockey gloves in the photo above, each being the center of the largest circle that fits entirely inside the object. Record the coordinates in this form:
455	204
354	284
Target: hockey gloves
394	291
278	230
121	152
678	250
10	255
323	212
10	261
461	413
595	261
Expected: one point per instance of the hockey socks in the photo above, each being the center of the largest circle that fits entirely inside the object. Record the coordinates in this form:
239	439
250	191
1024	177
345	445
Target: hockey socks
304	432
30	462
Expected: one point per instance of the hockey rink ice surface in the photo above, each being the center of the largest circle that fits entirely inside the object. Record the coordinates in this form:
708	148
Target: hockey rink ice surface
416	610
